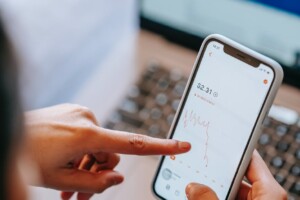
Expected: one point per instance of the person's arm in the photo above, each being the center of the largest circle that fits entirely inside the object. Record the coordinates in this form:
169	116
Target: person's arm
262	185
74	154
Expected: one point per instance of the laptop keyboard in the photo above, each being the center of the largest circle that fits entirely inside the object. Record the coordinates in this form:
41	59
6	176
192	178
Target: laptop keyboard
150	106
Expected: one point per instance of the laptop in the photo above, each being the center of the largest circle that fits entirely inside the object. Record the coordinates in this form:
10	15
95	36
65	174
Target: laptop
272	28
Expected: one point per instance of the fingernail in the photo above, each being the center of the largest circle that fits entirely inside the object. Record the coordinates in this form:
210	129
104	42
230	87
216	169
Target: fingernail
184	145
187	190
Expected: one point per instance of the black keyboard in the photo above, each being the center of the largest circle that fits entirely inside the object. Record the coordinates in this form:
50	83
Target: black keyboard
150	106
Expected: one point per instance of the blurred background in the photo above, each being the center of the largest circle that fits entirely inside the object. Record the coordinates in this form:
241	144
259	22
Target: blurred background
62	43
129	60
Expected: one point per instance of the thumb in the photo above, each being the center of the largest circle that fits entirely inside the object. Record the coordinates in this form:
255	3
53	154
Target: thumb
195	191
87	182
258	170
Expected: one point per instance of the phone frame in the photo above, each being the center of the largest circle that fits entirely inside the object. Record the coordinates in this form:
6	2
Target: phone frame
254	136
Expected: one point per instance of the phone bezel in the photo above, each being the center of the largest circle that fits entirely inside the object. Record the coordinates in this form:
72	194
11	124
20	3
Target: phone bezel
185	96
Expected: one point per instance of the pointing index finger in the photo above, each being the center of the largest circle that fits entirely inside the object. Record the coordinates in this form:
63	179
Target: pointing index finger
112	141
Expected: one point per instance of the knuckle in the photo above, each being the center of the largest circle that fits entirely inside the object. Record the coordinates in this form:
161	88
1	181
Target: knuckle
80	109
87	113
137	141
81	133
87	129
82	113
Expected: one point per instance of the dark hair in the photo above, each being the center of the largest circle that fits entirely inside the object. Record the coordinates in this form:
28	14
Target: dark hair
10	115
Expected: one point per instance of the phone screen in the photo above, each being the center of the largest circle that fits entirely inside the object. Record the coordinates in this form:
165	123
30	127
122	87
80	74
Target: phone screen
217	117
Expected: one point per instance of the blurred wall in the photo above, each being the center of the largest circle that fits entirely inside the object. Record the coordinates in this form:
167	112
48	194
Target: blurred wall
61	43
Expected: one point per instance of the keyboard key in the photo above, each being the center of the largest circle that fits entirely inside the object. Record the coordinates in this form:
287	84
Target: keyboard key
129	106
282	146
277	162
281	130
264	139
267	122
295	188
161	99
134	92
179	88
280	178
153	66
295	170
154	130
175	104
163	84
155	113
144	114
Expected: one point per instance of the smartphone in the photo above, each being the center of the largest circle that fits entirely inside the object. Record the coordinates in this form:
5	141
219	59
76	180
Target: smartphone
228	95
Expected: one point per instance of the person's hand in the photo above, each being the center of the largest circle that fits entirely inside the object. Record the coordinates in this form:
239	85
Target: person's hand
74	154
196	191
262	185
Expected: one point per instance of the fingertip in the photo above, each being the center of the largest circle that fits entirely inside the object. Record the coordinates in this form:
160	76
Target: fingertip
116	178
119	180
66	195
199	191
187	189
184	146
258	170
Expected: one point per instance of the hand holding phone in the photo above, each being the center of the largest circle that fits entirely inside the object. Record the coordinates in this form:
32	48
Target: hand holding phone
226	99
262	185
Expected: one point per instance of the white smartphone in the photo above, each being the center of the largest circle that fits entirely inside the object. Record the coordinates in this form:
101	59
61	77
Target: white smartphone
227	97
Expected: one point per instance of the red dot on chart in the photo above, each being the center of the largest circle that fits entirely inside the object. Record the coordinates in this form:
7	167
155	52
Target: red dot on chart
172	157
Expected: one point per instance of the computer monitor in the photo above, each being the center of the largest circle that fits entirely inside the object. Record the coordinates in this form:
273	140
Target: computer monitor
269	27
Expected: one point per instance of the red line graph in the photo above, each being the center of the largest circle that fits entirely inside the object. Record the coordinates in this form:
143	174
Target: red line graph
191	118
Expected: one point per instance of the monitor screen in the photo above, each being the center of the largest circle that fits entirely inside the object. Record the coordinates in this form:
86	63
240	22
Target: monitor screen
270	27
